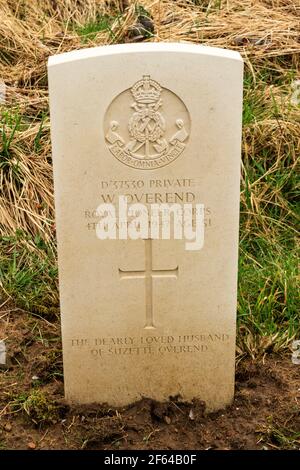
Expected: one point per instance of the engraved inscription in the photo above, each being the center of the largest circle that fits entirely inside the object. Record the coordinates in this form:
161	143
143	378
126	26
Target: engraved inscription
153	129
150	345
148	275
153	191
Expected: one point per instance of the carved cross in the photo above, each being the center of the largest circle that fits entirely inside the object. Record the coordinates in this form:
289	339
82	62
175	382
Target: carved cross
148	274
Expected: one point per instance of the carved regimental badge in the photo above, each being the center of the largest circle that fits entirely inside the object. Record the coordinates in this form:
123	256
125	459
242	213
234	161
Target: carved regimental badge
147	126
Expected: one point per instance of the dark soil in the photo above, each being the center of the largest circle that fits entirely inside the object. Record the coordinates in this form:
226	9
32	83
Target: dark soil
265	413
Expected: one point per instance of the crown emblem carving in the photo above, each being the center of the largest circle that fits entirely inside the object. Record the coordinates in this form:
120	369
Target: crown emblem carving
146	90
151	136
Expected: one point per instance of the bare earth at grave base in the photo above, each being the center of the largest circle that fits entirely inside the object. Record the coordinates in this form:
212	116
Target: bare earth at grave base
264	414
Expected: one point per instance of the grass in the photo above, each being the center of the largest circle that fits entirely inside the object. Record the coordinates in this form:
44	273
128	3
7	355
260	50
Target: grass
28	274
2	444
89	30
38	407
280	436
268	295
268	289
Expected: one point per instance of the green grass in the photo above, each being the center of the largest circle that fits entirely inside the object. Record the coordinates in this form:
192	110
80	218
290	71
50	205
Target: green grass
38	407
254	108
281	436
268	292
11	123
2	444
268	296
28	273
89	30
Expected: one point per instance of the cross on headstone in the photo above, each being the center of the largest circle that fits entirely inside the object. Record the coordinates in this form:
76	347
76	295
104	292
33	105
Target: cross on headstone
148	274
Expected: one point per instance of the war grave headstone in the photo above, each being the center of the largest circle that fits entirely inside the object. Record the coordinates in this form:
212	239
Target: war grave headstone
147	126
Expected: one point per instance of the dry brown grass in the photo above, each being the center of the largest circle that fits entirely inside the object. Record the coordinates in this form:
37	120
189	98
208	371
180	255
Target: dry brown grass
30	31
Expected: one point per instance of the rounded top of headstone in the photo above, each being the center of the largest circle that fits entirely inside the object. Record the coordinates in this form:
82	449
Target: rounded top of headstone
154	47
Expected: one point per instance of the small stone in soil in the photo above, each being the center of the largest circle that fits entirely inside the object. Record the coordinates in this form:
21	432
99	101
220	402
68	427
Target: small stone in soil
167	420
31	445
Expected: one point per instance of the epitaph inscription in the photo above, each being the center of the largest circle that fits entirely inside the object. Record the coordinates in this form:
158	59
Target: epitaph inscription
149	345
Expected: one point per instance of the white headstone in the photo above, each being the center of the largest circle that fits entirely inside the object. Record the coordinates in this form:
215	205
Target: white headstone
159	124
